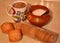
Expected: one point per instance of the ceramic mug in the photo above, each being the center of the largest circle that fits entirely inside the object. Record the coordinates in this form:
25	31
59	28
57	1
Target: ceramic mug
17	10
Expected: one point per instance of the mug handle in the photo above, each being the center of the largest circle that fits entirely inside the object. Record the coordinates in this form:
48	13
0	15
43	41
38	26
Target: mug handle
10	11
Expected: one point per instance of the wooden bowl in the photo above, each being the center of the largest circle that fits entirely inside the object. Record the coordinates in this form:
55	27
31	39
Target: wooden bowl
38	20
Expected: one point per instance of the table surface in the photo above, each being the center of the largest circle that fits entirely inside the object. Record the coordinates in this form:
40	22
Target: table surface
54	25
